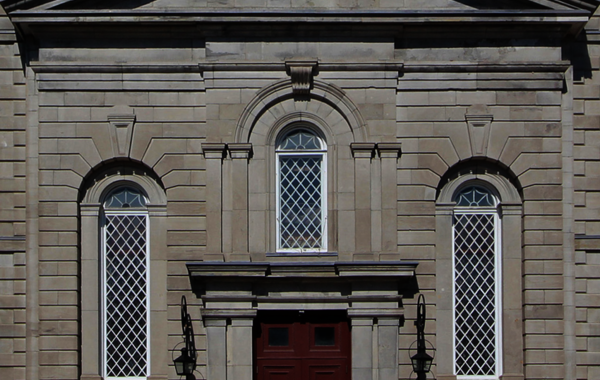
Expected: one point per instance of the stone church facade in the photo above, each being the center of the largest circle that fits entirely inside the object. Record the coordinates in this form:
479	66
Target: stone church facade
300	171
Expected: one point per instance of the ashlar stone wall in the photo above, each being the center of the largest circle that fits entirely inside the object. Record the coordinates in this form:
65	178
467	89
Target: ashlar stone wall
12	204
586	151
184	124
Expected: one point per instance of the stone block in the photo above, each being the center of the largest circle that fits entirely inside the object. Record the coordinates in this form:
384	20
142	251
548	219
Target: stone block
543	312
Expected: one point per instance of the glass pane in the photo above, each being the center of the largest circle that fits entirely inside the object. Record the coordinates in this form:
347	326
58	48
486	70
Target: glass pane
125	316
300	202
125	197
475	197
475	294
324	336
279	337
300	140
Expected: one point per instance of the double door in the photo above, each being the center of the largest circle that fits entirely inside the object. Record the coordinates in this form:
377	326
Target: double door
304	347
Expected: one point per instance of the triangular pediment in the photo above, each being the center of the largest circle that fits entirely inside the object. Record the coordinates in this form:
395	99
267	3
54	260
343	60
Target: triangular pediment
297	5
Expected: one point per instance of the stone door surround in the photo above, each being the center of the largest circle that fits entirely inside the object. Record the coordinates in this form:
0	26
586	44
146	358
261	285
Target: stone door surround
370	293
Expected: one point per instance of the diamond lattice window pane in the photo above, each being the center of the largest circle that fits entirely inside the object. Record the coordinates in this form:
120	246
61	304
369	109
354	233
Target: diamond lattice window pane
126	297
475	294
300	202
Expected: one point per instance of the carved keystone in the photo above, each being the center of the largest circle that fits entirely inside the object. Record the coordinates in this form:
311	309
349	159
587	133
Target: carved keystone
302	73
121	133
479	123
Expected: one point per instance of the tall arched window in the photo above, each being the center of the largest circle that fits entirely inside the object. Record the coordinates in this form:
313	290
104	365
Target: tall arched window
301	192
476	285
125	284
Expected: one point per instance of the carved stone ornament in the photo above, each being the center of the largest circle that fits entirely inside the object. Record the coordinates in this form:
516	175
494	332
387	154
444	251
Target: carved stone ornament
121	133
301	73
479	133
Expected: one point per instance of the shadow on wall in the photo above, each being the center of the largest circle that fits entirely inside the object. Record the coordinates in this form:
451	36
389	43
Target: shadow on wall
501	4
577	52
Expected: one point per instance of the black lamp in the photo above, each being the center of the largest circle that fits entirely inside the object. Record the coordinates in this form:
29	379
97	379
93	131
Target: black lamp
185	364
421	361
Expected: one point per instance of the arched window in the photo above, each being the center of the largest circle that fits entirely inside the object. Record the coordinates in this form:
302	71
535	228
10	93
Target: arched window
301	192
125	284
476	284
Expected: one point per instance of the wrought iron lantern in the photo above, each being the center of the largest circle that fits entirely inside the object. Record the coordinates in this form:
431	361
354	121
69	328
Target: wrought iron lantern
185	364
421	361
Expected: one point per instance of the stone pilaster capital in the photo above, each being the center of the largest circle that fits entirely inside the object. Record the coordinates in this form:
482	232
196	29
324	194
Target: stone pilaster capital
240	150
214	150
389	149
363	150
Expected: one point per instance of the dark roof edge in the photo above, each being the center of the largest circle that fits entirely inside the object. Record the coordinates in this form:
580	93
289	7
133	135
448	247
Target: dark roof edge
589	5
328	13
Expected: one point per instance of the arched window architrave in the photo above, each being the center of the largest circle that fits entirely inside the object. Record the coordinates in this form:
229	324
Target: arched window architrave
332	112
305	160
509	209
91	210
282	127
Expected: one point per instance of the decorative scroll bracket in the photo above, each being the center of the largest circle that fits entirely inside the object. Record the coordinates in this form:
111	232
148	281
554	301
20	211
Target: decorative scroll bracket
479	133
121	132
301	73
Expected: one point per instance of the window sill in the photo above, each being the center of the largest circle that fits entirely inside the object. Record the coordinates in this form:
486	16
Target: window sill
302	254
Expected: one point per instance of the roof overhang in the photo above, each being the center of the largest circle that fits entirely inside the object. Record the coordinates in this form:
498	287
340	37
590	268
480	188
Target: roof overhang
569	21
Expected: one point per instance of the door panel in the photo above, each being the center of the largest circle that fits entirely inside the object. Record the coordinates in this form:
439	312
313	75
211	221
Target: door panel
320	370
305	348
280	369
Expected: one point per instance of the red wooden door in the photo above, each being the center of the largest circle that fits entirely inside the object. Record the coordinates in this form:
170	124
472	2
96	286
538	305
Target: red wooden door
303	349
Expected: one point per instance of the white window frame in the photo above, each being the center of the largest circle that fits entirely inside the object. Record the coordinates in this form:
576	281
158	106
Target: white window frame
133	212
497	287
299	153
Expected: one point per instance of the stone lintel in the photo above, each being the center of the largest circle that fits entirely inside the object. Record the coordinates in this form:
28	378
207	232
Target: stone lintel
214	150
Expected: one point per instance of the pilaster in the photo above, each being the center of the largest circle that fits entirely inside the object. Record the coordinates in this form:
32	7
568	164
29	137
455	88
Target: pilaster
240	154
389	154
363	154
444	312
214	154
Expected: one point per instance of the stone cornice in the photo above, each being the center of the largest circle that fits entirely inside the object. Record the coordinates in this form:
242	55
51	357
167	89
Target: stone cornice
302	270
287	15
422	66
